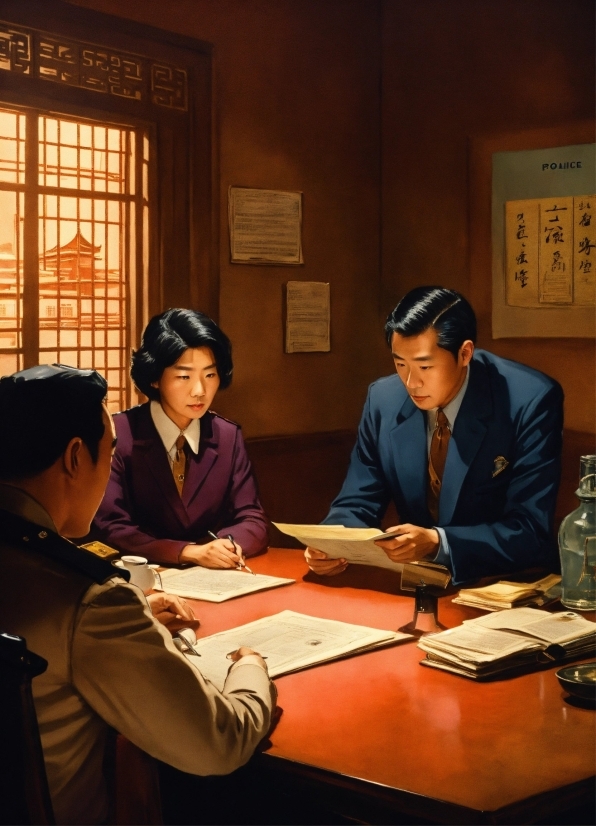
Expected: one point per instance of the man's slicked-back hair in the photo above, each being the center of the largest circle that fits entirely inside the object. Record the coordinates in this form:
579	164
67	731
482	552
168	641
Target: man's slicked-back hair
167	336
436	308
41	410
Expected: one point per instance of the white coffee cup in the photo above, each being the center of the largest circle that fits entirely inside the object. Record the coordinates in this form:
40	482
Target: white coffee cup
141	574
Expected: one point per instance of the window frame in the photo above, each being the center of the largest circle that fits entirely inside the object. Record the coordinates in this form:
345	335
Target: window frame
183	233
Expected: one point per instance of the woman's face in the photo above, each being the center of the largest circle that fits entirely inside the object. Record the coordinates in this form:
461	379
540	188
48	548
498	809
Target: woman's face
186	389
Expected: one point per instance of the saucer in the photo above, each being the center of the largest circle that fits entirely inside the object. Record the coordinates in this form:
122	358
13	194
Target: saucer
579	680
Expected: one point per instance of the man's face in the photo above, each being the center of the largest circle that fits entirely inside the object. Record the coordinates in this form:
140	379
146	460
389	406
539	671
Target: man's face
431	375
91	481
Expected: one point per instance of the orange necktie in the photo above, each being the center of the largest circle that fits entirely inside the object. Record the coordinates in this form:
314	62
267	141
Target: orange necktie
436	462
179	463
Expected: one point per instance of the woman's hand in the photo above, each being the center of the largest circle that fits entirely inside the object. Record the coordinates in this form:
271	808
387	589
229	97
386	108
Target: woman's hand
323	565
217	554
170	610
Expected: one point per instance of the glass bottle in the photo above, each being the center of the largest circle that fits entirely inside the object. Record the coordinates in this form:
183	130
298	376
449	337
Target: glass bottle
577	543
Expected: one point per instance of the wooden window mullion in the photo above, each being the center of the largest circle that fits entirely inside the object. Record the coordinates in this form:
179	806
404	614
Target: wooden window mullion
30	295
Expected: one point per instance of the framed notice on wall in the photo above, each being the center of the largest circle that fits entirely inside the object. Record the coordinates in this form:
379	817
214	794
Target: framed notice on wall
265	226
308	317
544	242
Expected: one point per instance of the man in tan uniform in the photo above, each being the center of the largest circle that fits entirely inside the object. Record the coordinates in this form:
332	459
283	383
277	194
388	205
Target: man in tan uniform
110	663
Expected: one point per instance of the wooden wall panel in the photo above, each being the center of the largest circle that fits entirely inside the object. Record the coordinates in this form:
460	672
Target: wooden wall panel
297	94
452	72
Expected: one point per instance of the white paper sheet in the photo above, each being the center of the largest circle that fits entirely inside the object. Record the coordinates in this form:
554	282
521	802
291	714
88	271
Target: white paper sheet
356	545
215	585
290	642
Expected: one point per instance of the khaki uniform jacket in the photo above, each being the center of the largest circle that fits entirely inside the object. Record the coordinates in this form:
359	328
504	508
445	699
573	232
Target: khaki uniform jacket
110	663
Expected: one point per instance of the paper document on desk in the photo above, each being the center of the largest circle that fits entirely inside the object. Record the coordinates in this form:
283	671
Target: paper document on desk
560	628
503	594
356	545
215	585
290	642
496	643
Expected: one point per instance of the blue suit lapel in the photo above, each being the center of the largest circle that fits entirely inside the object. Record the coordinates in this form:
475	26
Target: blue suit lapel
468	433
409	452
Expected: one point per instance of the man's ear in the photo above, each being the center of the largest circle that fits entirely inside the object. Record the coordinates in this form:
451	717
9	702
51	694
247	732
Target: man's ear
71	458
466	351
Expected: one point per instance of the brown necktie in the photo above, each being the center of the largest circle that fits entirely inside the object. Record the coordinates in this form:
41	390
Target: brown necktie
179	463
436	462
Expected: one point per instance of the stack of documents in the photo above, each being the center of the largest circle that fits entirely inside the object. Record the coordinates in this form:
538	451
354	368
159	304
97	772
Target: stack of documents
215	585
290	642
357	546
501	595
510	639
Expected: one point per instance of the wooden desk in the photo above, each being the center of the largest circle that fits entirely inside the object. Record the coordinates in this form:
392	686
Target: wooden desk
381	737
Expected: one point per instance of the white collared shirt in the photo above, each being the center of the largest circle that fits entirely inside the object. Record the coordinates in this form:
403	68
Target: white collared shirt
169	432
450	410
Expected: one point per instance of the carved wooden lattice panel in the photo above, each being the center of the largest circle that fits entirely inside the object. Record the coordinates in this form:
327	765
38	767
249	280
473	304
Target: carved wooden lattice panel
87	66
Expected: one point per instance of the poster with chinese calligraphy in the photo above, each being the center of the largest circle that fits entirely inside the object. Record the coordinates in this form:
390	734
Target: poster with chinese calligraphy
584	251
549	251
544	242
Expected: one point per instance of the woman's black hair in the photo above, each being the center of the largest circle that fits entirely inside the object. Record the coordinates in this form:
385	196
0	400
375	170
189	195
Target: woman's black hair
439	308
167	336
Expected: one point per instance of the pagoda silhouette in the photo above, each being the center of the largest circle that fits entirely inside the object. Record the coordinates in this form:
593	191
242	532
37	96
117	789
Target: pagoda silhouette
74	261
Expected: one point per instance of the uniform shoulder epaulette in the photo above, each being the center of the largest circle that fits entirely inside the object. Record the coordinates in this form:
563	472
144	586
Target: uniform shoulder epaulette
21	532
230	421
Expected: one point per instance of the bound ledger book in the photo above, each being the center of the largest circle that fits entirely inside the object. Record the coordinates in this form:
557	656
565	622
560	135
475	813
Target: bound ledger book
508	640
357	546
503	594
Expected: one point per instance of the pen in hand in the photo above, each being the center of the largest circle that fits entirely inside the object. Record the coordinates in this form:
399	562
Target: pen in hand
242	564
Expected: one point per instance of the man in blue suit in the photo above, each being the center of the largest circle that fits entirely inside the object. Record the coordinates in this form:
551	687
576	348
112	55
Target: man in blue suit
466	444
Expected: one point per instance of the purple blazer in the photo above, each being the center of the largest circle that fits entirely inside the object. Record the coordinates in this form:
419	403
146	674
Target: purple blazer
142	512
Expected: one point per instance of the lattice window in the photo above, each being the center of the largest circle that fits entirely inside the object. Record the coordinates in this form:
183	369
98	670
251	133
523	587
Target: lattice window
73	228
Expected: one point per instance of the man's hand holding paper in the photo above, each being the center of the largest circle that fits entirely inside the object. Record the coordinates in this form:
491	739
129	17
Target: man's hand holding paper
322	564
412	543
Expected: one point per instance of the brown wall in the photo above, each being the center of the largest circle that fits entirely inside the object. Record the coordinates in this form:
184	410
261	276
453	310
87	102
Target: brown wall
455	73
297	100
298	107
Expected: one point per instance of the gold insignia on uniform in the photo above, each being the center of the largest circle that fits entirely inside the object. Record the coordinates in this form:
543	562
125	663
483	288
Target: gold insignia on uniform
99	549
500	465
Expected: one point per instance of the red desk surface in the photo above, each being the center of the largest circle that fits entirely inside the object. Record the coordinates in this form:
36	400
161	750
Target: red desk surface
383	719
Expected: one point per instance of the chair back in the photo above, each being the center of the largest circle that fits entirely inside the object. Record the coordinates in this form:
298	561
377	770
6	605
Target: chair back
24	793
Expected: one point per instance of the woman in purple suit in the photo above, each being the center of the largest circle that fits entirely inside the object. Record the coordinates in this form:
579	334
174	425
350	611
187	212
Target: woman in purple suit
180	473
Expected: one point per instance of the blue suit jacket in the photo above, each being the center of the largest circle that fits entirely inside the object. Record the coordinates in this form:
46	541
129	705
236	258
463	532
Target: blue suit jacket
494	523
